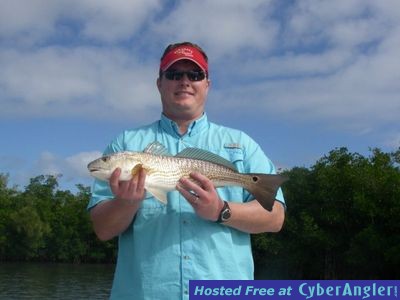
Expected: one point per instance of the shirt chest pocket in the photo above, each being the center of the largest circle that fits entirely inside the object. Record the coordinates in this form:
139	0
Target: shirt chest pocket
235	156
150	209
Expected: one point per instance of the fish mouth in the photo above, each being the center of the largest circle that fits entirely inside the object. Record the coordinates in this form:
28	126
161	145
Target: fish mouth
94	168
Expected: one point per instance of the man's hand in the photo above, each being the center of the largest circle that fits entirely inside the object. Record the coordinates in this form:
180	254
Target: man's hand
200	192
111	218
248	217
128	192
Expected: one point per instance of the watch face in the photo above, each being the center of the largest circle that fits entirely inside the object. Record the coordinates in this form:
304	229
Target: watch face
226	214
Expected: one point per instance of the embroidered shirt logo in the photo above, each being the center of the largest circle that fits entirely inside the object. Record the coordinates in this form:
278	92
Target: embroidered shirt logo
233	146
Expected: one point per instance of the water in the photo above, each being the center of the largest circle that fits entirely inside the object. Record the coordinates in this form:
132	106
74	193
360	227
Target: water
55	281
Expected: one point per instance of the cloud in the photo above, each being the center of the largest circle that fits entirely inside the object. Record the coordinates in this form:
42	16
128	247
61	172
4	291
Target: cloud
338	23
332	61
336	63
345	100
70	170
221	27
76	165
35	21
111	21
25	22
392	140
84	81
47	164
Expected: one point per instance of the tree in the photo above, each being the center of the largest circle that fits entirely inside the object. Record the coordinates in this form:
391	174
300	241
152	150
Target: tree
341	222
27	231
342	212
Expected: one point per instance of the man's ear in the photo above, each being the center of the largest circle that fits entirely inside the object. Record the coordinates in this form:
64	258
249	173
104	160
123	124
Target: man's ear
158	82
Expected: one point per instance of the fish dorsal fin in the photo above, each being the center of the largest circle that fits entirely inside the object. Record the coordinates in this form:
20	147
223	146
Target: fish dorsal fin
156	148
200	154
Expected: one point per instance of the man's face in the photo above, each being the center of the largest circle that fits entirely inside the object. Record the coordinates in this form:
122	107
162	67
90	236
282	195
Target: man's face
183	99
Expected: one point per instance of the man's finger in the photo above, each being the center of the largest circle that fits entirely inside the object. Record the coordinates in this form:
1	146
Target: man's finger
141	181
114	180
192	198
190	185
203	181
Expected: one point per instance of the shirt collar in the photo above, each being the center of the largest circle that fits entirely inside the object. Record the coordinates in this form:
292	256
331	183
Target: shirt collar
194	128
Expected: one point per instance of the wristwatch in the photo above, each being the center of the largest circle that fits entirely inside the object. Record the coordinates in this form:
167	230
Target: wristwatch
225	213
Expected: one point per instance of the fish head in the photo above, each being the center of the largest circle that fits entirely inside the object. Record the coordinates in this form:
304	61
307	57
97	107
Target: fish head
103	167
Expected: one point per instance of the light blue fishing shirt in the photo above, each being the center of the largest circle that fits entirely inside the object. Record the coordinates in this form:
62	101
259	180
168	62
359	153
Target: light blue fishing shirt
168	245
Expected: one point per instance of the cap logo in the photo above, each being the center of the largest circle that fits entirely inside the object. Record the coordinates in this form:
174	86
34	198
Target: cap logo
184	51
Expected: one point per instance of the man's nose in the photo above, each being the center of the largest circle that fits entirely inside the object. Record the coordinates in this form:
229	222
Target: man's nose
184	79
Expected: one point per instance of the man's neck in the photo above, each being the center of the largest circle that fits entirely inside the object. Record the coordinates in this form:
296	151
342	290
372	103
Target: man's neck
184	123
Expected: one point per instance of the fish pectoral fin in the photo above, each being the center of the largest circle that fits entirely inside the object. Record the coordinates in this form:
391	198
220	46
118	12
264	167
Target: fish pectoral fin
135	170
159	194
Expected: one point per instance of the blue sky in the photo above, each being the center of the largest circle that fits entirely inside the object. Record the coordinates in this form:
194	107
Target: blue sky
300	77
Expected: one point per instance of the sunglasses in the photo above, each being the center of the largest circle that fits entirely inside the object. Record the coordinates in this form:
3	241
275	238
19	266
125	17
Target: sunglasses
178	75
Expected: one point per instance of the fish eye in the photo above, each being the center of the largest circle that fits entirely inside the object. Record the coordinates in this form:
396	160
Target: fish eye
105	158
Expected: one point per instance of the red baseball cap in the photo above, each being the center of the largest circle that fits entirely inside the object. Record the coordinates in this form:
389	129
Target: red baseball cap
184	52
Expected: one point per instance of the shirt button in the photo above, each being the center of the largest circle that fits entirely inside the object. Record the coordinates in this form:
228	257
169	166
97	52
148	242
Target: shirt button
186	257
185	222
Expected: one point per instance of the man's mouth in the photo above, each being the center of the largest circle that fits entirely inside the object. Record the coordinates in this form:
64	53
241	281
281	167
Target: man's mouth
183	93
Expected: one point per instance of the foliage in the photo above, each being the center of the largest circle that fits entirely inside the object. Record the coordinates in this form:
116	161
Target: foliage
43	223
341	222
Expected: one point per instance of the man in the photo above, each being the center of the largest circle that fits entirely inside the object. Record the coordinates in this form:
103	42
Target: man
201	233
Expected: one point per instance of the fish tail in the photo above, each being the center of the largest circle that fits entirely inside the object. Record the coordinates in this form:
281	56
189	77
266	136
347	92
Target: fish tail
264	188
